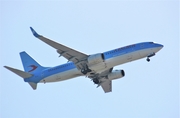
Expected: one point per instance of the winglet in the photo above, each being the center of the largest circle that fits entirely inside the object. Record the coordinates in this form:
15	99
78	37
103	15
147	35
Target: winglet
34	32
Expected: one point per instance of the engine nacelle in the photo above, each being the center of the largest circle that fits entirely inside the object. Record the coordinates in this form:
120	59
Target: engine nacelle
116	74
95	58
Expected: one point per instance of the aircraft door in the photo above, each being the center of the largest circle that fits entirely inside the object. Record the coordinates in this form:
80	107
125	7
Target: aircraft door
129	57
129	53
142	53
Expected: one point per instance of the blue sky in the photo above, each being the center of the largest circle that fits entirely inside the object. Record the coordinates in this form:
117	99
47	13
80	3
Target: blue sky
148	90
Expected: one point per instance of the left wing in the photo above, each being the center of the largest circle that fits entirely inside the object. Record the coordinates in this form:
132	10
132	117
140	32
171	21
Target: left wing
70	54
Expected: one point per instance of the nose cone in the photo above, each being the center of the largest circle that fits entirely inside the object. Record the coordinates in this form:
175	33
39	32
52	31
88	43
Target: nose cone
158	46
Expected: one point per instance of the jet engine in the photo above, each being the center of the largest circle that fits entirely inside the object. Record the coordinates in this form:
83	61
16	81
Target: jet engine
116	74
95	58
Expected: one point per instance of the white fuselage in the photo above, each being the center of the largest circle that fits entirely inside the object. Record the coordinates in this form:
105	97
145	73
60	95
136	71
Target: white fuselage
109	63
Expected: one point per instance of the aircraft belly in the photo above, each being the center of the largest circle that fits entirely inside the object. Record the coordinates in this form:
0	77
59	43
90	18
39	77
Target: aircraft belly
99	66
116	61
122	59
62	76
146	52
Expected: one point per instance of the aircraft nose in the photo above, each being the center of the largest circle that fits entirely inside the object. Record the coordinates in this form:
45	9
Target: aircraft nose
160	46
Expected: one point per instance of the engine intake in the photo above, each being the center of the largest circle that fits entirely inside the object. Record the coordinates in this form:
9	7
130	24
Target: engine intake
95	58
96	81
116	74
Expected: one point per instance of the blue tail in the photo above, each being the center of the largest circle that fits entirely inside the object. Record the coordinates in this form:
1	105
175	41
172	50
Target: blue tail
29	64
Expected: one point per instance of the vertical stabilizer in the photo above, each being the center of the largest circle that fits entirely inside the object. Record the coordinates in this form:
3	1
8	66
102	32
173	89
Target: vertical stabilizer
29	64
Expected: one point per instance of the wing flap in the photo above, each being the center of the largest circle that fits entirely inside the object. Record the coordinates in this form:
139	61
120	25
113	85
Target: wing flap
107	86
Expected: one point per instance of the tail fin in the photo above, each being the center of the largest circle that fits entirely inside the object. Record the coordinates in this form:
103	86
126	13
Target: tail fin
29	64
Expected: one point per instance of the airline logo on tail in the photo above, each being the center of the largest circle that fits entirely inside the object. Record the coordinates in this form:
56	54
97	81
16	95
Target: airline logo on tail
33	68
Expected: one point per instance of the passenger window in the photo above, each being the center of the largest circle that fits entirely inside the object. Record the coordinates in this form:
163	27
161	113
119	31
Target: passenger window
142	45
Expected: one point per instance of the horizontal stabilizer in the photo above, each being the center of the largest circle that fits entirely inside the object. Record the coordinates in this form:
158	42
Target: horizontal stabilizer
33	85
19	72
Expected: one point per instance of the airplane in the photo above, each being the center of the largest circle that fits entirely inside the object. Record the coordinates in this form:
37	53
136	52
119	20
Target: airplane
98	67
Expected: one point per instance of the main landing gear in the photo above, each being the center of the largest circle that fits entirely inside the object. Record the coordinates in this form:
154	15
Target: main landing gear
150	55
85	70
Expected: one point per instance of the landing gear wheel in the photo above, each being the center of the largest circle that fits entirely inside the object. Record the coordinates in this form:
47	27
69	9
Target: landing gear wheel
148	60
84	71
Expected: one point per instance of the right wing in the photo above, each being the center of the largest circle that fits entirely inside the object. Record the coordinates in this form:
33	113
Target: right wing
107	86
70	54
104	82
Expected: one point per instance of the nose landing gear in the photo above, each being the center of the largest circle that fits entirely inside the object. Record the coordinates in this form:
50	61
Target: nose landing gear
150	55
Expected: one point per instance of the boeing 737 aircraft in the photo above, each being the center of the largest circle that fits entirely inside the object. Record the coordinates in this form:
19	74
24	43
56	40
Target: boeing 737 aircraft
98	67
